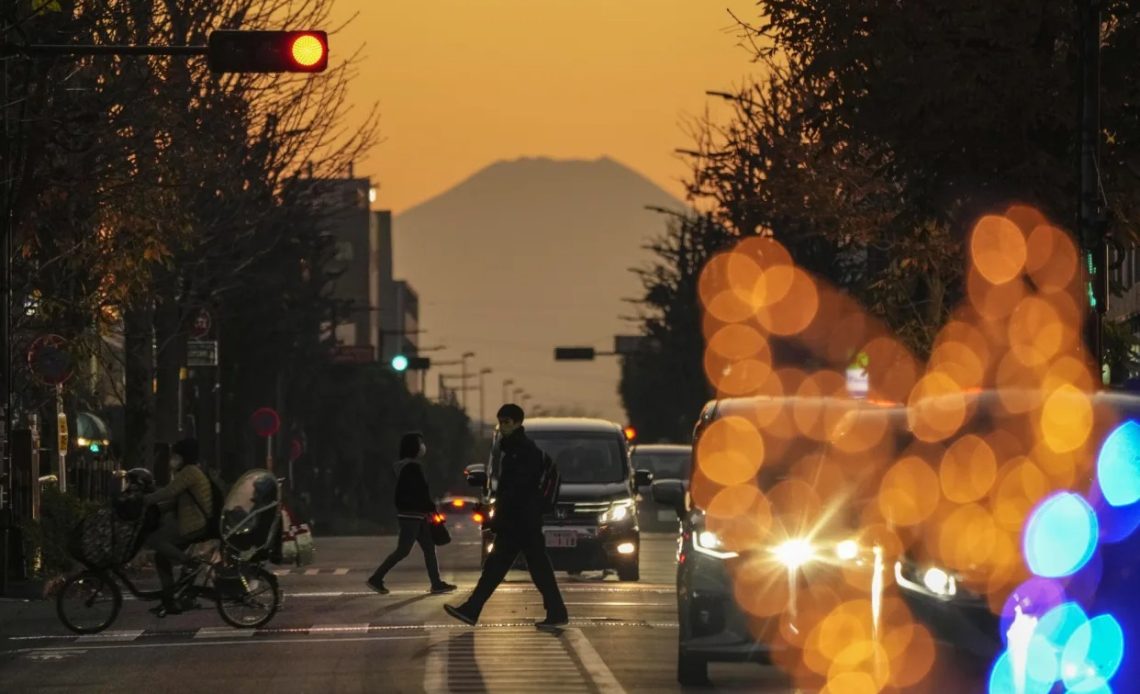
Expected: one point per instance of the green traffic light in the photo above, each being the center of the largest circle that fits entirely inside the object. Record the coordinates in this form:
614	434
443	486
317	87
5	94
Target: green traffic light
400	362
94	448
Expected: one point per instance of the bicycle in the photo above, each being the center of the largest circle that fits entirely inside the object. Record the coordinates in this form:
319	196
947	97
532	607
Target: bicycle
245	594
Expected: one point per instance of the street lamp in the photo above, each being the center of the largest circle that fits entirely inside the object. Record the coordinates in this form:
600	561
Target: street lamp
507	382
463	362
482	401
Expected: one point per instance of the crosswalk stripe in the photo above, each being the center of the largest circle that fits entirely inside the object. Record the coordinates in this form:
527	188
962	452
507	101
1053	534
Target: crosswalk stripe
223	633
111	636
603	678
340	572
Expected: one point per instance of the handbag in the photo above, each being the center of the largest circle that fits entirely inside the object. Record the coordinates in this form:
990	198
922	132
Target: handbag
438	528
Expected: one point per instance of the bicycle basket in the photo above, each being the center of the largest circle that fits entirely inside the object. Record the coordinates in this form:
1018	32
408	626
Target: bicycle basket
102	540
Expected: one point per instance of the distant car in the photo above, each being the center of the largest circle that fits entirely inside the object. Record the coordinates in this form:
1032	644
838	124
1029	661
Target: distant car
666	462
595	524
712	625
461	511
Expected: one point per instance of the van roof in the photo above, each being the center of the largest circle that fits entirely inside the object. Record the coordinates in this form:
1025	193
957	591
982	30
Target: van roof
663	448
584	424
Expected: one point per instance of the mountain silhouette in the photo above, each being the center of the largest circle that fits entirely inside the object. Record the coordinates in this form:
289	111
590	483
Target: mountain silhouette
526	255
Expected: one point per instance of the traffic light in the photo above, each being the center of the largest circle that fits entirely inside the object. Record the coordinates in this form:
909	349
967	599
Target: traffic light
401	362
573	353
268	51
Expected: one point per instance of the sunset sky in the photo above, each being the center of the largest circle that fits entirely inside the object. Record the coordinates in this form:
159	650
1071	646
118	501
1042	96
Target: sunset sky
464	83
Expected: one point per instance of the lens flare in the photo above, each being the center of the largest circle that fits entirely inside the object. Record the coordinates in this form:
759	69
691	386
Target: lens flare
1061	536
1118	465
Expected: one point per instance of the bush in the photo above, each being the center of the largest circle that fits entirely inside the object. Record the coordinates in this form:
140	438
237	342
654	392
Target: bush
48	537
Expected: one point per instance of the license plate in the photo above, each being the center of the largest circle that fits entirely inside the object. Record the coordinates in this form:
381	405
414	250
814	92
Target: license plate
561	538
666	516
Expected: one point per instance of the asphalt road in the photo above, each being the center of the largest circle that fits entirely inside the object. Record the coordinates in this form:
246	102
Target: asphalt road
334	635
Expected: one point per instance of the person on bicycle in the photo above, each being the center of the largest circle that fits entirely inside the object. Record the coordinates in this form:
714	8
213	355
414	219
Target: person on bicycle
185	502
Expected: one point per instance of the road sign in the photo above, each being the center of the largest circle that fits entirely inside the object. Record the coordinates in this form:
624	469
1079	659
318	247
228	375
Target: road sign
265	421
201	325
50	361
573	353
201	353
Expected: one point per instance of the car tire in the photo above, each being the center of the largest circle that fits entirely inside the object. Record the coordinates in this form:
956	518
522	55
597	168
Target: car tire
629	573
691	669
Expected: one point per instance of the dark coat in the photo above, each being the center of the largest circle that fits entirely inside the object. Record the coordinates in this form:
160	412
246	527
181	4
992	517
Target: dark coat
412	495
519	501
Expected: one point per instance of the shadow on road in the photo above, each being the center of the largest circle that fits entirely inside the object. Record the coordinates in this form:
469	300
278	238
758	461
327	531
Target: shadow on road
463	674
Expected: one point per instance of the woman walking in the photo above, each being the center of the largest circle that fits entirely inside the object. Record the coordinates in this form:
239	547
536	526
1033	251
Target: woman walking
414	508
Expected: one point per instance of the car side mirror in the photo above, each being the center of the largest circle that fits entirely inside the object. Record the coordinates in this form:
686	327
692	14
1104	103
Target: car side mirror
643	478
476	475
670	493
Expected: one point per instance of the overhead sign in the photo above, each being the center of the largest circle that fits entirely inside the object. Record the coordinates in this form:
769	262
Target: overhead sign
265	421
201	353
50	361
201	325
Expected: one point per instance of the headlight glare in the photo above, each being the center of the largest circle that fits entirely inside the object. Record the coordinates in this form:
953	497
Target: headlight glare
617	512
794	553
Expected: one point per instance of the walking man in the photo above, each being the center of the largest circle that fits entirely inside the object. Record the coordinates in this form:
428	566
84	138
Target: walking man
414	509
517	525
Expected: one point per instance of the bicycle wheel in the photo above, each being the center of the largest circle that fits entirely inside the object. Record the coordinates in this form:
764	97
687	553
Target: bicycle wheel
253	599
88	602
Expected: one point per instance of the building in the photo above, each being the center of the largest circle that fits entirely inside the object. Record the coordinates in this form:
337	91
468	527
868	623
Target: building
379	317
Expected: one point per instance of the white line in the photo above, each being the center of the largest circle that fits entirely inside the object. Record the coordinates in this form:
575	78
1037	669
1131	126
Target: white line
435	665
115	635
603	679
340	572
340	628
312	572
251	642
223	633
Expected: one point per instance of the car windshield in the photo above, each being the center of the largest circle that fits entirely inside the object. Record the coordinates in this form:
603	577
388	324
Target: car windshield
584	458
664	466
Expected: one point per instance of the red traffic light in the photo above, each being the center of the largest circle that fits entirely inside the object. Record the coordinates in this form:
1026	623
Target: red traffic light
308	51
268	51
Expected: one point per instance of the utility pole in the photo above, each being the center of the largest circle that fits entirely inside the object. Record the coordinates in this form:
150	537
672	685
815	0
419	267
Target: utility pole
1090	221
482	401
463	367
507	383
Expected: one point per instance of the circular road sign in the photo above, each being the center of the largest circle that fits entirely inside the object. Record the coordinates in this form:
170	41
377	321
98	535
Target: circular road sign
50	361
265	421
201	326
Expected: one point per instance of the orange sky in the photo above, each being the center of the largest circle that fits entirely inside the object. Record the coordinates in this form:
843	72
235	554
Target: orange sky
464	83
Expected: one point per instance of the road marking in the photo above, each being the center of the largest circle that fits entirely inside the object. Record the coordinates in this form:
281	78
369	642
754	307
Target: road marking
603	678
312	572
340	628
46	653
223	633
53	654
513	660
340	572
651	589
113	635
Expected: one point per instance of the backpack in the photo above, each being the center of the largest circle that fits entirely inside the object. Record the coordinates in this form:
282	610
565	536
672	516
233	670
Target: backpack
217	501
549	483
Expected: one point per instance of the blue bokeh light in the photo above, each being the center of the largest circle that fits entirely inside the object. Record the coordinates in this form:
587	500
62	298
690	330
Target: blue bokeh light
1118	465
1003	679
1034	598
1092	654
1061	536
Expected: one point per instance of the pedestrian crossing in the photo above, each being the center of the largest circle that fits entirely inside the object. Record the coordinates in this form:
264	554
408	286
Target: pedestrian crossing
513	660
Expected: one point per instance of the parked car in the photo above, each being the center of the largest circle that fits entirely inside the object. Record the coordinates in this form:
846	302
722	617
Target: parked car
594	526
665	462
712	625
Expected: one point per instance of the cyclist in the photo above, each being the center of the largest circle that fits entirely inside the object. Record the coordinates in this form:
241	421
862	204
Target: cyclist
184	502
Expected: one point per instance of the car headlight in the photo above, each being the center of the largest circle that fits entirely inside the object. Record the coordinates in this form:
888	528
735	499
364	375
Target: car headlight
794	553
932	580
708	542
847	550
617	512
